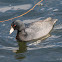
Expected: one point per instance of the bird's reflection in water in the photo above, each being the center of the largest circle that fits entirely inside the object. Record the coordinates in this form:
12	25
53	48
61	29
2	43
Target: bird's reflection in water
21	52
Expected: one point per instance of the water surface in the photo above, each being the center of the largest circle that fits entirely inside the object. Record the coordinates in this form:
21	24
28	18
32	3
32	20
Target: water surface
48	50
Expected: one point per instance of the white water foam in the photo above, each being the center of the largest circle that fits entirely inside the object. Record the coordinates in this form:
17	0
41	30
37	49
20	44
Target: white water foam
50	8
18	7
32	20
43	9
58	26
3	24
39	41
36	44
8	48
53	37
55	9
39	47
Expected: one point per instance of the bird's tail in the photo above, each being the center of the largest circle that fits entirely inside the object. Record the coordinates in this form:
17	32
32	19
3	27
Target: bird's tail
54	21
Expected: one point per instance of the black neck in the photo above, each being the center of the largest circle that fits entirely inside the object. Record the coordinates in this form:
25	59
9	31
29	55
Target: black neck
22	32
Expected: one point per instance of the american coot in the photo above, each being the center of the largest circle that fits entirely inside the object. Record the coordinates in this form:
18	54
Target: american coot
35	30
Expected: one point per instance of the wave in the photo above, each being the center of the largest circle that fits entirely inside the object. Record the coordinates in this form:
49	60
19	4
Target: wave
41	47
18	7
36	45
55	9
48	39
8	48
53	37
58	26
32	20
46	44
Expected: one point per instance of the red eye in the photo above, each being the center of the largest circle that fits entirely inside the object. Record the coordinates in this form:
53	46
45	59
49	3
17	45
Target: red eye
14	25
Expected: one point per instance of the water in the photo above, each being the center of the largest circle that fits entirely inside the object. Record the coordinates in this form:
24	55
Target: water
48	50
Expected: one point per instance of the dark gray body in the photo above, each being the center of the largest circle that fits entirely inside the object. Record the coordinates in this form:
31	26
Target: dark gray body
35	30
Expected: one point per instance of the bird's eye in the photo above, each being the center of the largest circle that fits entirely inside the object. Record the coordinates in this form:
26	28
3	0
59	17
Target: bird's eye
14	25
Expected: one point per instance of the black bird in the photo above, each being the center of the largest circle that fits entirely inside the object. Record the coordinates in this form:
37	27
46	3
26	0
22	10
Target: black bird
35	30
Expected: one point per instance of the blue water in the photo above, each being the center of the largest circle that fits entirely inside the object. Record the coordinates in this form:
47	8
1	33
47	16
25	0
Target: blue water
48	50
